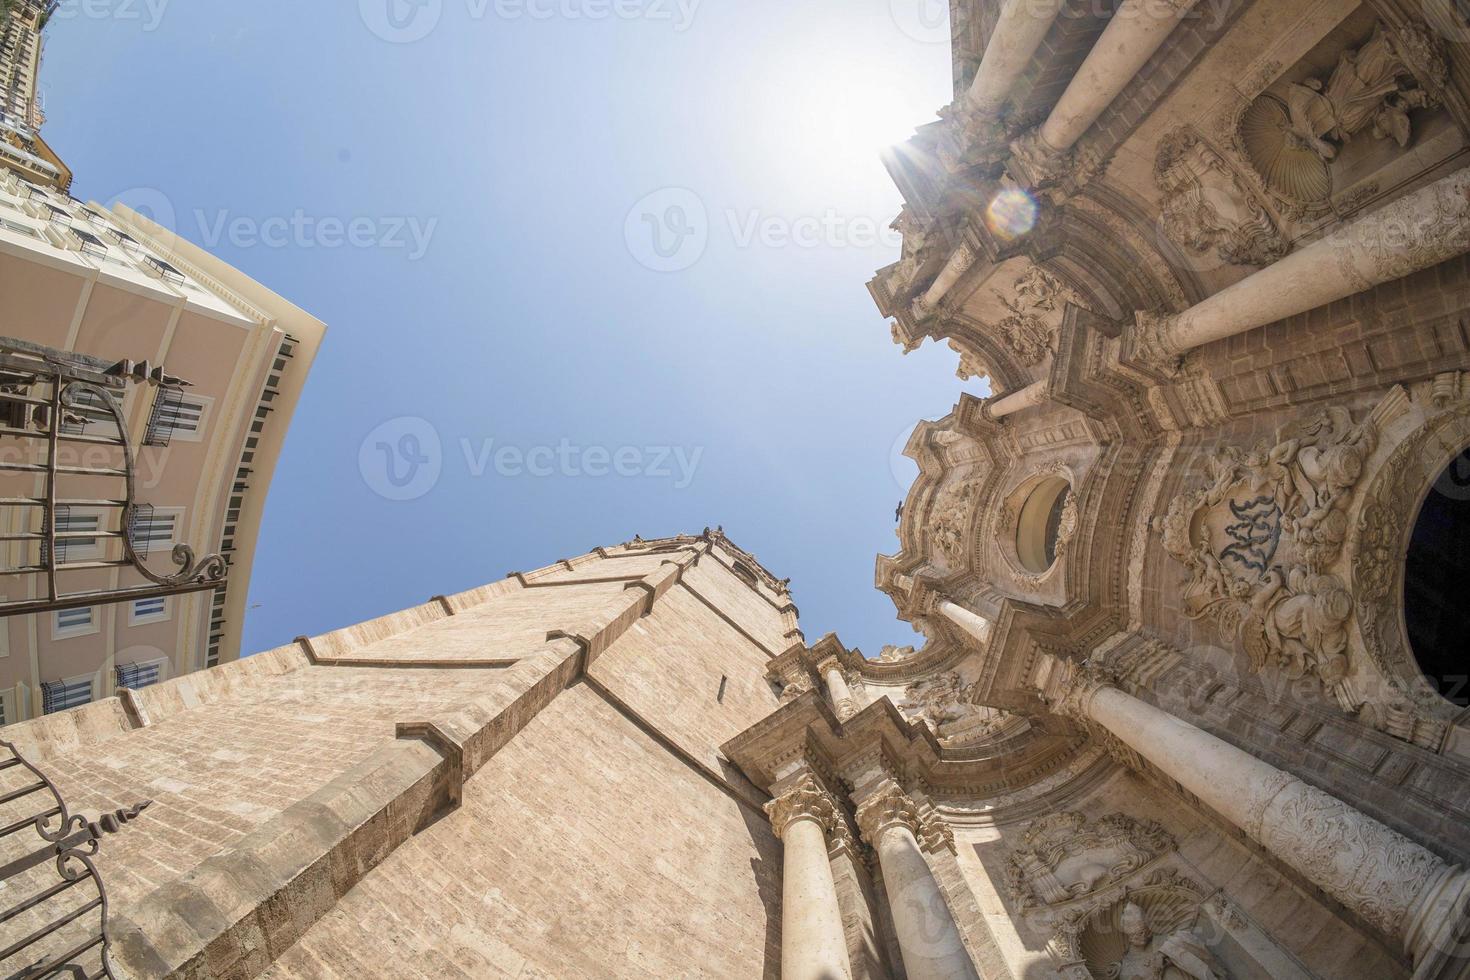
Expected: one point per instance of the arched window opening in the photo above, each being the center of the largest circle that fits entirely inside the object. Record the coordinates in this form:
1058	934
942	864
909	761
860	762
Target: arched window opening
1437	583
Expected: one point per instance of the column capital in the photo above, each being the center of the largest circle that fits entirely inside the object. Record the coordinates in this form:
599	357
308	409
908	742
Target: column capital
829	662
1149	343
805	800
1073	697
889	807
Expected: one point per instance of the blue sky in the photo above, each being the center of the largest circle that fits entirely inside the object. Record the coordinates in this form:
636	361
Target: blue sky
608	255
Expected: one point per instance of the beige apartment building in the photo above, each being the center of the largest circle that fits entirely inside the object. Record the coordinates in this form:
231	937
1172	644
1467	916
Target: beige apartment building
110	284
22	150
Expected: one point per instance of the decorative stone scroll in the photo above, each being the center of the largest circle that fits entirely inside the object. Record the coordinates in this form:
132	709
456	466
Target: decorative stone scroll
1261	540
1064	857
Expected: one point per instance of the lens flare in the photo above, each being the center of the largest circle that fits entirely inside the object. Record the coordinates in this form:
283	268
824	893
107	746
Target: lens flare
1011	214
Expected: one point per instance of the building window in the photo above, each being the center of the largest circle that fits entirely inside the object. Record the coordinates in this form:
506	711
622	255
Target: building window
176	416
151	529
60	695
144	611
1436	580
135	677
73	543
1039	527
74	622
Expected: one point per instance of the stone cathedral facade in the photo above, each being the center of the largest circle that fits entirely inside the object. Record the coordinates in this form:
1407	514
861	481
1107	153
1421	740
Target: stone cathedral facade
1190	700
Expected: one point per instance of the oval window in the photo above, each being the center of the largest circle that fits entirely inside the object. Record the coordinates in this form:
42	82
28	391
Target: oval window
1437	582
1040	524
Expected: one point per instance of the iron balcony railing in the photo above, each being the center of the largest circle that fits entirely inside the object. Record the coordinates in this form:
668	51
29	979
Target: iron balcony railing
51	400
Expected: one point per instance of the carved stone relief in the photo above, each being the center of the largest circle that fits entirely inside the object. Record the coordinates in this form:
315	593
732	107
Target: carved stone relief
1029	330
951	518
1150	928
940	703
1208	207
1261	542
1064	857
1130	944
1292	139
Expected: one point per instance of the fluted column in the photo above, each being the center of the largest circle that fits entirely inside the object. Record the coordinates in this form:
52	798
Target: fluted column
927	933
813	944
837	689
1412	233
1136	31
1391	882
972	623
1017	401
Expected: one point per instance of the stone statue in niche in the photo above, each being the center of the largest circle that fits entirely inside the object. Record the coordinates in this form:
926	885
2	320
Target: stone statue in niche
1063	857
1291	141
1261	541
1181	955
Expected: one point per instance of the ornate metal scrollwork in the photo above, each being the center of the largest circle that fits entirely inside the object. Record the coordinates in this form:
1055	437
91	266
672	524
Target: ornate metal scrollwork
46	933
53	397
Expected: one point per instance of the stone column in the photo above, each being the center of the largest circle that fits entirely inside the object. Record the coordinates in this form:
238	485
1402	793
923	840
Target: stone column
813	944
1017	401
1019	31
958	263
1137	30
972	623
1415	232
837	689
1399	887
927	934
